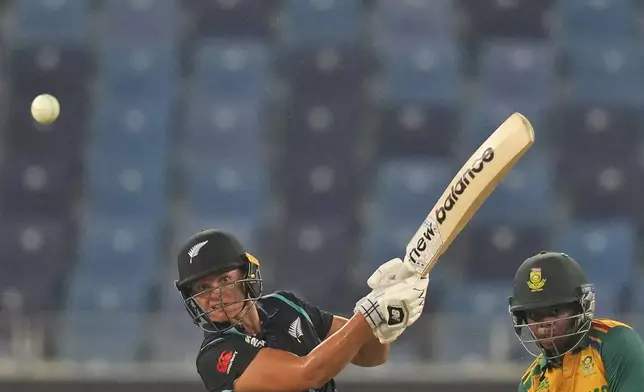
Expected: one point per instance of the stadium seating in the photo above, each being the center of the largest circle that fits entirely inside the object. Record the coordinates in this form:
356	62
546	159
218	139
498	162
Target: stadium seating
517	68
606	249
401	20
523	18
141	21
580	19
36	256
425	71
311	248
38	185
232	68
312	21
417	129
319	132
240	18
43	22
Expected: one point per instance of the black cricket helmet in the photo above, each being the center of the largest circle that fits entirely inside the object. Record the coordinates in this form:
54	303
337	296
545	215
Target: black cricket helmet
547	281
213	252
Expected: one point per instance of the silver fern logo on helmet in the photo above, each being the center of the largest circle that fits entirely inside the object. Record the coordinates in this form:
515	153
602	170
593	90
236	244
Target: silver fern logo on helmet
194	251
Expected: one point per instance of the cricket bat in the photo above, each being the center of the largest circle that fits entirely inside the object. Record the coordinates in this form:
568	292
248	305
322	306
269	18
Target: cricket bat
471	186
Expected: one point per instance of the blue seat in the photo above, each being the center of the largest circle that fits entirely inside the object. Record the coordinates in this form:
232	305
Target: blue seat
132	126
231	68
112	337
175	338
426	71
485	19
223	127
478	298
492	251
315	21
314	71
59	69
36	244
603	56
318	182
138	69
603	188
412	129
406	186
384	241
125	185
66	22
605	70
217	186
120	251
608	129
620	89
35	184
322	125
604	248
399	20
142	21
515	67
239	18
524	196
597	19
462	340
315	249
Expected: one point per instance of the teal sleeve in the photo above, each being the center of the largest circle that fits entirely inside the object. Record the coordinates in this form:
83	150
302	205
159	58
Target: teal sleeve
522	388
622	352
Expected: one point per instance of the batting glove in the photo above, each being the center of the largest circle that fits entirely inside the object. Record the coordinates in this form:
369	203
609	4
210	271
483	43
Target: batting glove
396	301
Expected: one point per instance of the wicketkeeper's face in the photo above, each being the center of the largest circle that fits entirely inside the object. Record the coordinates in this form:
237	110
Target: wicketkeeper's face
221	296
551	326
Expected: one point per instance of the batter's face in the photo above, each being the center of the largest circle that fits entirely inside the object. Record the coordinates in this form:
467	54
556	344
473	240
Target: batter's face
549	324
221	295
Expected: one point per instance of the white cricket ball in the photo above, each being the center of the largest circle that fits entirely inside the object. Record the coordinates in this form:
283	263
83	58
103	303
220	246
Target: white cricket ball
45	108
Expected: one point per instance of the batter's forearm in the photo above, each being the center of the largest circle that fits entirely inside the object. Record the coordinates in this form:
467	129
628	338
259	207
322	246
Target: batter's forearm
329	358
372	353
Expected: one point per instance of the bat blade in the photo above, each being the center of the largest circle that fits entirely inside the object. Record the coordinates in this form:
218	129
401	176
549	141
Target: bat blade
469	188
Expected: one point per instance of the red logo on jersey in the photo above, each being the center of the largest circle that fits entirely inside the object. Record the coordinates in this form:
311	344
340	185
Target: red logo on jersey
225	361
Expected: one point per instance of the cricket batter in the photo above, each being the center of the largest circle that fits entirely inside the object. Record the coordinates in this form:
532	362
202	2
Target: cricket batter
576	353
278	342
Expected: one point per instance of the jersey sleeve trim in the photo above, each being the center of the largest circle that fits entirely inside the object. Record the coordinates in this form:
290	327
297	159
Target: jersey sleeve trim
210	343
533	370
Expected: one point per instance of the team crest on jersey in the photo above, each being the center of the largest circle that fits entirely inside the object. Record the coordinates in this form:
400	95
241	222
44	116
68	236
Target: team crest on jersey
587	365
536	281
295	329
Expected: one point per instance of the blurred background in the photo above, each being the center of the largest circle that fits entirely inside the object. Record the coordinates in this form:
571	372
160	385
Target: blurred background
320	132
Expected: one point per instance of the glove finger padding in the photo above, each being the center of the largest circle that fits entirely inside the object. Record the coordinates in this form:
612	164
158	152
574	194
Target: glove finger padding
389	273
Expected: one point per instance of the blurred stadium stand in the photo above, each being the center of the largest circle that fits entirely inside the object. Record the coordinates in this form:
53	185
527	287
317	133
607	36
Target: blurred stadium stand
319	132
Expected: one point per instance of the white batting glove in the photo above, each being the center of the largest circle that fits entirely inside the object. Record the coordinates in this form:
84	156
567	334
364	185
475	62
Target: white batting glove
393	271
388	274
396	301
